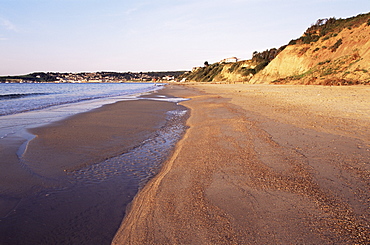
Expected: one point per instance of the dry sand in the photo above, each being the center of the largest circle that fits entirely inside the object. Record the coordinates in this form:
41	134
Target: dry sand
262	164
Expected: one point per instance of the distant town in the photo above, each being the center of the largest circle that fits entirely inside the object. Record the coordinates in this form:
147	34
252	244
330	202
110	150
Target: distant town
92	77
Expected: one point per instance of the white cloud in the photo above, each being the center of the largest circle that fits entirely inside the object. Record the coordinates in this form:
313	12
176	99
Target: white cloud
8	25
131	10
136	7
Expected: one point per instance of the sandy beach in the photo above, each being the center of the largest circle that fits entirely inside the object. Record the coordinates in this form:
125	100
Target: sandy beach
261	164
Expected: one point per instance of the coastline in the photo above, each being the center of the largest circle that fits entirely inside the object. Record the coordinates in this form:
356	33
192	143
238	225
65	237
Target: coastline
77	175
261	164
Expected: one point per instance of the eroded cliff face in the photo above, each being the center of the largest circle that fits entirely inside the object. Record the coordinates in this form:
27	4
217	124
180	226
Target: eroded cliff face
341	58
236	72
240	71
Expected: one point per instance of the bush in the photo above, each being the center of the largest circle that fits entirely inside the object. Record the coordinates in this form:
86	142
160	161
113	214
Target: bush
246	71
310	38
260	66
233	67
293	42
336	45
326	38
267	55
324	62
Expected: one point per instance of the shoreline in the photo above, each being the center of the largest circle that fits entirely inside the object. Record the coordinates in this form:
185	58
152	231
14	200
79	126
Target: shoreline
261	164
78	174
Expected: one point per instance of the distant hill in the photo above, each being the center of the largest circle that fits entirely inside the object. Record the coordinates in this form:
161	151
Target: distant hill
330	52
91	77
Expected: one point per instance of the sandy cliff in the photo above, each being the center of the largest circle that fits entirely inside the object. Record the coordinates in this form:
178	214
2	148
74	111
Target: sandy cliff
340	58
330	52
234	72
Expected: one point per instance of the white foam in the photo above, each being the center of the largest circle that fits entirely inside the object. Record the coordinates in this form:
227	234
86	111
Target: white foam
166	99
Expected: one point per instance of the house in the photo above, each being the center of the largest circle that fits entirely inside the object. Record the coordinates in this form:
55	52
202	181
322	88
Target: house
168	78
229	60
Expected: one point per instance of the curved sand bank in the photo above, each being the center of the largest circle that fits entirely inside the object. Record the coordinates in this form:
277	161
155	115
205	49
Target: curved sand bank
262	164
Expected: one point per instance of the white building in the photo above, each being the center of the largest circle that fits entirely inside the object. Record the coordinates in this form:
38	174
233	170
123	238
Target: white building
229	60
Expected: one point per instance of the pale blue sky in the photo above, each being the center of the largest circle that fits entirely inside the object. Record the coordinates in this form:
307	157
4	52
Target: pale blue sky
156	35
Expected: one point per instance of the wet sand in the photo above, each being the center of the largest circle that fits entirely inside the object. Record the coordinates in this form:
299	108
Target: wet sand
73	143
72	184
262	164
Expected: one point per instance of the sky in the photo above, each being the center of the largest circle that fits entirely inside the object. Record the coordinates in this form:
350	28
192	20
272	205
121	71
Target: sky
155	35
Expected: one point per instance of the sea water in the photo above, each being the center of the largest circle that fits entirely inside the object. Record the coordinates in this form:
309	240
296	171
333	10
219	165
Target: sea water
23	97
24	105
89	207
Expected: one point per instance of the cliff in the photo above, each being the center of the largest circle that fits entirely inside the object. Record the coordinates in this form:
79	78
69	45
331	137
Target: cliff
223	72
241	71
332	52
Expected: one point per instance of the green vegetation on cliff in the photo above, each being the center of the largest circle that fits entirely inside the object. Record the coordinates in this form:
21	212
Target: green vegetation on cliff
204	74
327	28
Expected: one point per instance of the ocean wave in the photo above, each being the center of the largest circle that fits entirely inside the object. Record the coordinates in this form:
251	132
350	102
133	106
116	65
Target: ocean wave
49	103
18	96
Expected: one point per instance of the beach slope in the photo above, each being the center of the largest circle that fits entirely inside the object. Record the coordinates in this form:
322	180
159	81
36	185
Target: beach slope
261	164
